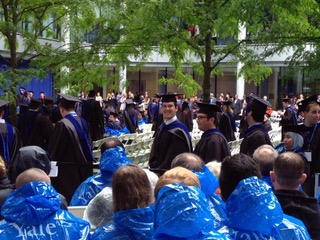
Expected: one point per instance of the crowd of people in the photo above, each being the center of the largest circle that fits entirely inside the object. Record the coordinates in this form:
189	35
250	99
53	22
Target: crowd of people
188	192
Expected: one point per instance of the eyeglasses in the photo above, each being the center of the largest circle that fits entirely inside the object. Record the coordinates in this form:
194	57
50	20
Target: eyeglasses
201	117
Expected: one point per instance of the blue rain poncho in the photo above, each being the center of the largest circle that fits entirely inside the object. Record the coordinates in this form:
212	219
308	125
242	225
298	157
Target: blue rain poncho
254	211
33	212
208	181
209	184
128	224
111	160
182	212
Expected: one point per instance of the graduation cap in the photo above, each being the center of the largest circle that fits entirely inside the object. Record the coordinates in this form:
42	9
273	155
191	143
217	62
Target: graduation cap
293	128
3	103
68	101
129	101
227	102
48	100
92	93
23	108
114	113
302	105
30	91
169	98
185	105
287	100
34	103
258	106
208	108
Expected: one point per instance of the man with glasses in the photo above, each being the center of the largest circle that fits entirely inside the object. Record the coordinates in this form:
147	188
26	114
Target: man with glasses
213	145
172	137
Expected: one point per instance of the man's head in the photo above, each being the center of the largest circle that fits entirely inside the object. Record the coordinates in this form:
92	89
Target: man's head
112	143
285	102
176	175
207	115
169	106
67	103
234	169
32	175
265	156
256	108
311	110
288	171
189	161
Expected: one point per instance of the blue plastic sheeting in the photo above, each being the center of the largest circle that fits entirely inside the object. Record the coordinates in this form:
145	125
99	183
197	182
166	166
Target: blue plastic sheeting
254	211
36	85
33	212
208	181
111	160
182	212
128	224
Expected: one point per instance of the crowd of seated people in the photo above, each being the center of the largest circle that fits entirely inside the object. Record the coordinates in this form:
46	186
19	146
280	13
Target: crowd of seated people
242	197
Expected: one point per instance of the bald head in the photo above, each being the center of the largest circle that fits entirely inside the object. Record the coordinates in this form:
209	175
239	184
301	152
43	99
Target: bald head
189	161
265	156
32	175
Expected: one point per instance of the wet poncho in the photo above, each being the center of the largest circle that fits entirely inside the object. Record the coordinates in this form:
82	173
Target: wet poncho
209	184
111	160
128	224
253	212
33	212
182	212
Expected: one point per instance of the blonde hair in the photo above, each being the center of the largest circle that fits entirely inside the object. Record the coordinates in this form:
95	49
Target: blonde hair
176	175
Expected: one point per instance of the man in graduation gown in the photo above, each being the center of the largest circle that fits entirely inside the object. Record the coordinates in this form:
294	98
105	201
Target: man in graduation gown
10	139
185	115
311	131
35	128
70	146
171	139
213	145
256	135
289	116
227	123
130	116
93	114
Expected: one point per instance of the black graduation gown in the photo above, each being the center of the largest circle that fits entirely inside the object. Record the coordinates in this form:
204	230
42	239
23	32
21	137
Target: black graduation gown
255	136
226	127
73	167
289	117
13	146
212	146
40	133
130	118
314	146
186	118
93	114
170	140
297	204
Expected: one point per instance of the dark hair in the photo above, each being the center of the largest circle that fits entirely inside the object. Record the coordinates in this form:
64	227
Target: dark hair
189	161
112	143
234	169
308	106
68	105
288	168
130	188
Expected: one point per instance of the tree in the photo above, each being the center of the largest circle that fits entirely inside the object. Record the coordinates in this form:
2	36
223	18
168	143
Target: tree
24	24
166	23
185	30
